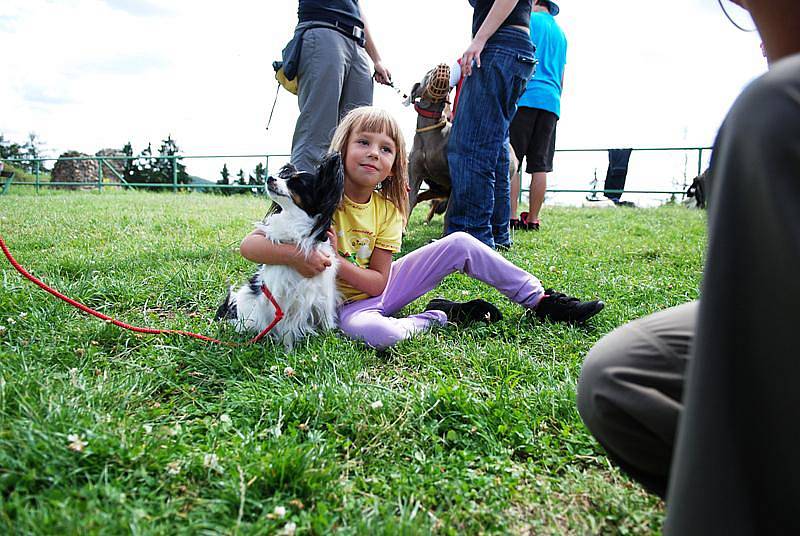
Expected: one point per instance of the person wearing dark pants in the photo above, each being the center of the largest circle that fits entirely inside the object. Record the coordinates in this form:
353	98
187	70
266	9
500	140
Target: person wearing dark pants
731	414
631	390
533	130
477	152
333	74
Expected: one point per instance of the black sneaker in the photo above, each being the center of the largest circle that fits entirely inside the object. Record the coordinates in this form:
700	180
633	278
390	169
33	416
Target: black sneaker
559	307
471	311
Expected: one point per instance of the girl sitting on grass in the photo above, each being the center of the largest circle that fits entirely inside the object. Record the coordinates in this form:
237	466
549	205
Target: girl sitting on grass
368	229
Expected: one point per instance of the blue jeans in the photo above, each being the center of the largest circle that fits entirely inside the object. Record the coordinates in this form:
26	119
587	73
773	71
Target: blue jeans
478	148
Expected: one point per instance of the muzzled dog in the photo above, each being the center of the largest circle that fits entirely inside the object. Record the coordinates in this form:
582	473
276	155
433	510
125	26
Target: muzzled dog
428	158
302	214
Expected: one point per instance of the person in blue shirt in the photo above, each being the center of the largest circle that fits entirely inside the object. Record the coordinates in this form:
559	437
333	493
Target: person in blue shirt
533	130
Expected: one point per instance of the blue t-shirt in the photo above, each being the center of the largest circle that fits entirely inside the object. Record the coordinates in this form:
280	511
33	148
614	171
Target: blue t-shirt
544	88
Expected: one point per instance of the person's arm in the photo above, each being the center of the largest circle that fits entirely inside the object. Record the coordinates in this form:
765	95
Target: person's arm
256	247
370	280
500	11
382	74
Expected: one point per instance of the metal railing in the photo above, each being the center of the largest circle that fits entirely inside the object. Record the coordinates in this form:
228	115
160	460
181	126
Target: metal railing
175	185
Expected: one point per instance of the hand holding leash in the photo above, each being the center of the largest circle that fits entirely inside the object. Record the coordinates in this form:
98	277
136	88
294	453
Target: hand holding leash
382	74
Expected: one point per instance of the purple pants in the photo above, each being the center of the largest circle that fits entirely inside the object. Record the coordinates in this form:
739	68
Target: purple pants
419	272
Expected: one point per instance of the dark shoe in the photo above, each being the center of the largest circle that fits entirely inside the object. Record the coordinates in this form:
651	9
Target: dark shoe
515	223
471	311
503	247
533	225
559	307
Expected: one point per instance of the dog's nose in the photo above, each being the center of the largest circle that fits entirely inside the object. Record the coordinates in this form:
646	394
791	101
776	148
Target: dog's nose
270	180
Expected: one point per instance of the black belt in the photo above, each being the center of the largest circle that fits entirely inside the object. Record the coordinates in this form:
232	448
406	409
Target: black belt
356	33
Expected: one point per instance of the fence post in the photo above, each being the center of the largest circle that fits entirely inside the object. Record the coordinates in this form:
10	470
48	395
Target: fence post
699	161
99	174
266	171
174	173
36	172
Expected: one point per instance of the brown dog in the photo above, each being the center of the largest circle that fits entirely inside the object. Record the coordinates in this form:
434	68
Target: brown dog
428	157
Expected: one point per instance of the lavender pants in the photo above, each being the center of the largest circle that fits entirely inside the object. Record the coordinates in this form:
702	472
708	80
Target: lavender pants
419	272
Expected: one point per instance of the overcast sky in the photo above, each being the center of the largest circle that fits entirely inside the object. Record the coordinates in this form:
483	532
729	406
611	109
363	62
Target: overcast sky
89	74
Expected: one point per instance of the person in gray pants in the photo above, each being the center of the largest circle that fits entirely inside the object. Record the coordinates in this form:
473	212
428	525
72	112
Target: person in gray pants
333	73
700	403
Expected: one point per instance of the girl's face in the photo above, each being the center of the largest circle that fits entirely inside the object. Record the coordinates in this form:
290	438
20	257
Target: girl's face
370	159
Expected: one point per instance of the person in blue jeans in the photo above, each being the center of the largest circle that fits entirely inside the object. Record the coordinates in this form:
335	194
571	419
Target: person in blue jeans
478	151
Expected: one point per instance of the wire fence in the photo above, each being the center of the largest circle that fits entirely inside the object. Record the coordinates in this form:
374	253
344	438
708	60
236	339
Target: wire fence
109	175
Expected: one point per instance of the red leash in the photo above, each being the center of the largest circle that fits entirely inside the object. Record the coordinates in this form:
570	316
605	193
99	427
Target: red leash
149	331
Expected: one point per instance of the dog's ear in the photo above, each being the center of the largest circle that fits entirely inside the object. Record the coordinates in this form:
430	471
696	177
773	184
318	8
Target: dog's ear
287	172
330	190
413	96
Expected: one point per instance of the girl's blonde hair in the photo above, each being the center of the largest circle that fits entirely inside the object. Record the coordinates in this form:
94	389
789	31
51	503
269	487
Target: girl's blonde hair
372	119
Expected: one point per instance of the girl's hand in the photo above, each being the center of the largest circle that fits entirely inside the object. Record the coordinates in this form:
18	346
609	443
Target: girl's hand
315	264
473	53
334	240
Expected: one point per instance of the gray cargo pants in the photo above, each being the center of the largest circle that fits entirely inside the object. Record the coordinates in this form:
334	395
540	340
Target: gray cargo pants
334	77
631	389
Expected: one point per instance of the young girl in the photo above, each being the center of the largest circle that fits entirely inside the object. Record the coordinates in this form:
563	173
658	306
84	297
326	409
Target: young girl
368	229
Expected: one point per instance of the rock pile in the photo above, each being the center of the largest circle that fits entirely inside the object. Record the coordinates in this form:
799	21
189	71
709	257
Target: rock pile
113	169
75	170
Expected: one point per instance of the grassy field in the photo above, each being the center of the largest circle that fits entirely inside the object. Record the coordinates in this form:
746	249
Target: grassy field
460	430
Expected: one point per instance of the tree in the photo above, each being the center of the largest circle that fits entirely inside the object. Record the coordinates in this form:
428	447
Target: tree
8	149
225	180
164	166
143	166
151	169
259	179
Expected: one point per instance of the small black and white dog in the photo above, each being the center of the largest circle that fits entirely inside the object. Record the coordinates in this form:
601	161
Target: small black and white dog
305	204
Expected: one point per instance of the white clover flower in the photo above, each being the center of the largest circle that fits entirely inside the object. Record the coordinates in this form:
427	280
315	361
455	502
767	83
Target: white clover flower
280	511
2	329
225	419
376	405
173	468
211	461
11	321
289	371
23	314
290	528
76	443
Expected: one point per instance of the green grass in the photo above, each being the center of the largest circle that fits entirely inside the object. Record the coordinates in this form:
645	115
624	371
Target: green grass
477	433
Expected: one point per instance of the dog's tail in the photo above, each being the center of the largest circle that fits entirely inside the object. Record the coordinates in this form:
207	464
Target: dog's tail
227	309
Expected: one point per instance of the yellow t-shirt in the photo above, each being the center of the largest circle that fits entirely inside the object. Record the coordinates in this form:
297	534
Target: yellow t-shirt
360	228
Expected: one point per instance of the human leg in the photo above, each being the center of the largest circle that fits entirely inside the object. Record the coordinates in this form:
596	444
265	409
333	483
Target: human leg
537	190
519	134
321	73
631	389
540	161
502	201
420	272
357	87
368	321
486	107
